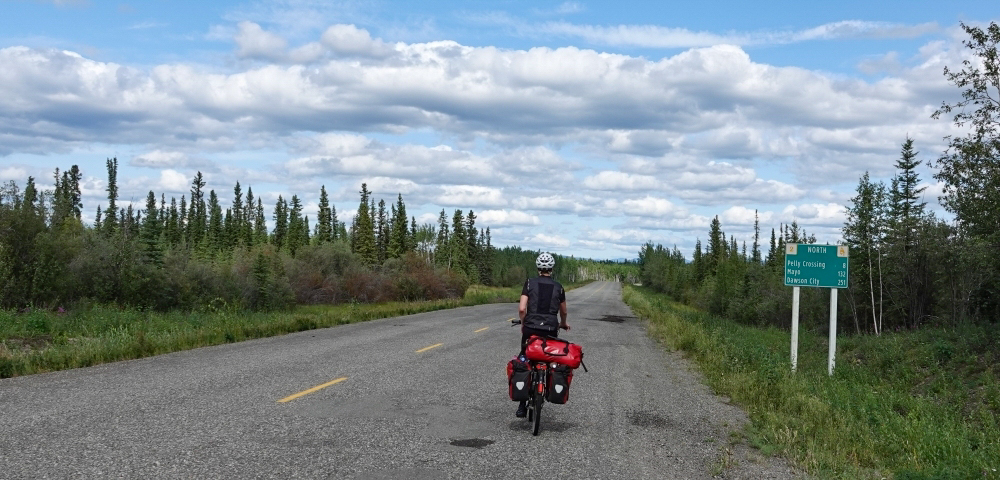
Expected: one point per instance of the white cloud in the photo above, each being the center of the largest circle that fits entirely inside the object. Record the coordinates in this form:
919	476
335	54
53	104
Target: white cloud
540	241
253	42
471	196
614	180
160	159
507	217
173	181
830	214
656	36
351	40
645	207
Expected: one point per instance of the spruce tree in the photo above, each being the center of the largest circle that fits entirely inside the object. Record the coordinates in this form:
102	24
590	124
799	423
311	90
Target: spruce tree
235	224
363	233
111	214
716	247
755	253
398	240
324	225
250	216
472	246
150	233
459	244
442	253
259	224
280	232
173	231
197	219
381	234
297	229
215	234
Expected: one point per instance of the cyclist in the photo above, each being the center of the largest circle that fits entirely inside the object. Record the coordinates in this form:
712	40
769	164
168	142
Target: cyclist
542	299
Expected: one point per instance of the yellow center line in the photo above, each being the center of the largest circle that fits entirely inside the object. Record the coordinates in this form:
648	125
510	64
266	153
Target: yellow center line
481	329
422	350
311	390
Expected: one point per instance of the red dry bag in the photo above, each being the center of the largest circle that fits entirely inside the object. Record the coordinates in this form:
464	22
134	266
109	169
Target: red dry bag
541	349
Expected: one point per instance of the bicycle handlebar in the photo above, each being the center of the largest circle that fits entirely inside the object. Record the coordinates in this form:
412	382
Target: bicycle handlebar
518	322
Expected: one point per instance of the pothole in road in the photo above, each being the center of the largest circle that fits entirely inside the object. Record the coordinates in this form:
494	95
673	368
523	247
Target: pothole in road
612	318
648	419
472	442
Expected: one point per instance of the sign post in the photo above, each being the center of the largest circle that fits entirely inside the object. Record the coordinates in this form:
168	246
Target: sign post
821	266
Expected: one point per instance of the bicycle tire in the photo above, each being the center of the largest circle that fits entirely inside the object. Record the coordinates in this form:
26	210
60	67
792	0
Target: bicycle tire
537	399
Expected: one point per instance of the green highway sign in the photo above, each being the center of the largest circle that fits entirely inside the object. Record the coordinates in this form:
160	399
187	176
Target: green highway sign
811	265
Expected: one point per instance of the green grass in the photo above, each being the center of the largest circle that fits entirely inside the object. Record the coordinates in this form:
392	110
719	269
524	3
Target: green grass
906	405
42	341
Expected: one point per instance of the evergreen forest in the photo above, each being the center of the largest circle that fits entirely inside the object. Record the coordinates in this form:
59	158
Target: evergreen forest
908	267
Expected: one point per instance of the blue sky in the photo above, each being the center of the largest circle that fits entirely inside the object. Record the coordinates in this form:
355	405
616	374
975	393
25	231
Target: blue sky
585	128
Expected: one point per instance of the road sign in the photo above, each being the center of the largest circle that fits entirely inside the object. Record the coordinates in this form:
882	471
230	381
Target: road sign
811	265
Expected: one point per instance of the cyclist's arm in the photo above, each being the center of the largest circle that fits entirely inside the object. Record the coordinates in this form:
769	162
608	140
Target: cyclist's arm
522	309
562	316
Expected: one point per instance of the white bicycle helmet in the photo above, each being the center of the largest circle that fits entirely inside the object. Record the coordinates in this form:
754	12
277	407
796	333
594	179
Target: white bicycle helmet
545	261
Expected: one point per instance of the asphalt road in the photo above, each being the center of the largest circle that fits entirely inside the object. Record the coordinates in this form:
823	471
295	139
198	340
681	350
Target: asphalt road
400	410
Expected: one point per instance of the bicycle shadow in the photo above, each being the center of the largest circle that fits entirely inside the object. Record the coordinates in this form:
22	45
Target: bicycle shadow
522	425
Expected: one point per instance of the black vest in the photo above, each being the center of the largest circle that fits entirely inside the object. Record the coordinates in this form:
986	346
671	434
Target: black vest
544	299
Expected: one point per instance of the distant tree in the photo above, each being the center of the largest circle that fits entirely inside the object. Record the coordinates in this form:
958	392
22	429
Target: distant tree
755	253
459	244
442	247
716	247
235	225
280	216
197	219
111	214
298	229
259	224
324	222
363	233
399	242
249	219
215	235
150	233
381	234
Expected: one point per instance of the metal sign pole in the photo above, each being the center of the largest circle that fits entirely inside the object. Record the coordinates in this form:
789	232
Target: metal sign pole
795	327
833	329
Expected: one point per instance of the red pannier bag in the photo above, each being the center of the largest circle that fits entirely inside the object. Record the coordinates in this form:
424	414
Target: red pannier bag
518	379
554	350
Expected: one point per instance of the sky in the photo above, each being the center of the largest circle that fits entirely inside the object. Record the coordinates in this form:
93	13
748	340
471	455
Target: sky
581	128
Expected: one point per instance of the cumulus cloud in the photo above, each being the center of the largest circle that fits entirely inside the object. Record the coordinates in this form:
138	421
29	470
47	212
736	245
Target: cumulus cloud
351	40
507	217
253	42
614	180
160	159
471	196
540	241
665	142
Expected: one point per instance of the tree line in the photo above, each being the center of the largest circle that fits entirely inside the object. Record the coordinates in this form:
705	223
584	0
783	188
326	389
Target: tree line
908	268
192	253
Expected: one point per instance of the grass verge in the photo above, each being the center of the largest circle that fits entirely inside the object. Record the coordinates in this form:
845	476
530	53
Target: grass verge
905	405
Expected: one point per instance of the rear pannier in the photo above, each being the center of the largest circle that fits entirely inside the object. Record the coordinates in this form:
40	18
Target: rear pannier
518	379
559	380
550	350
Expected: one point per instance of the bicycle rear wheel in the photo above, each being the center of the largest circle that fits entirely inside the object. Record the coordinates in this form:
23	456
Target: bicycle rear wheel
536	400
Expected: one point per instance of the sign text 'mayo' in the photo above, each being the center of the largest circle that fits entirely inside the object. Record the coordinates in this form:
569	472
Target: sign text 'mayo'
811	265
